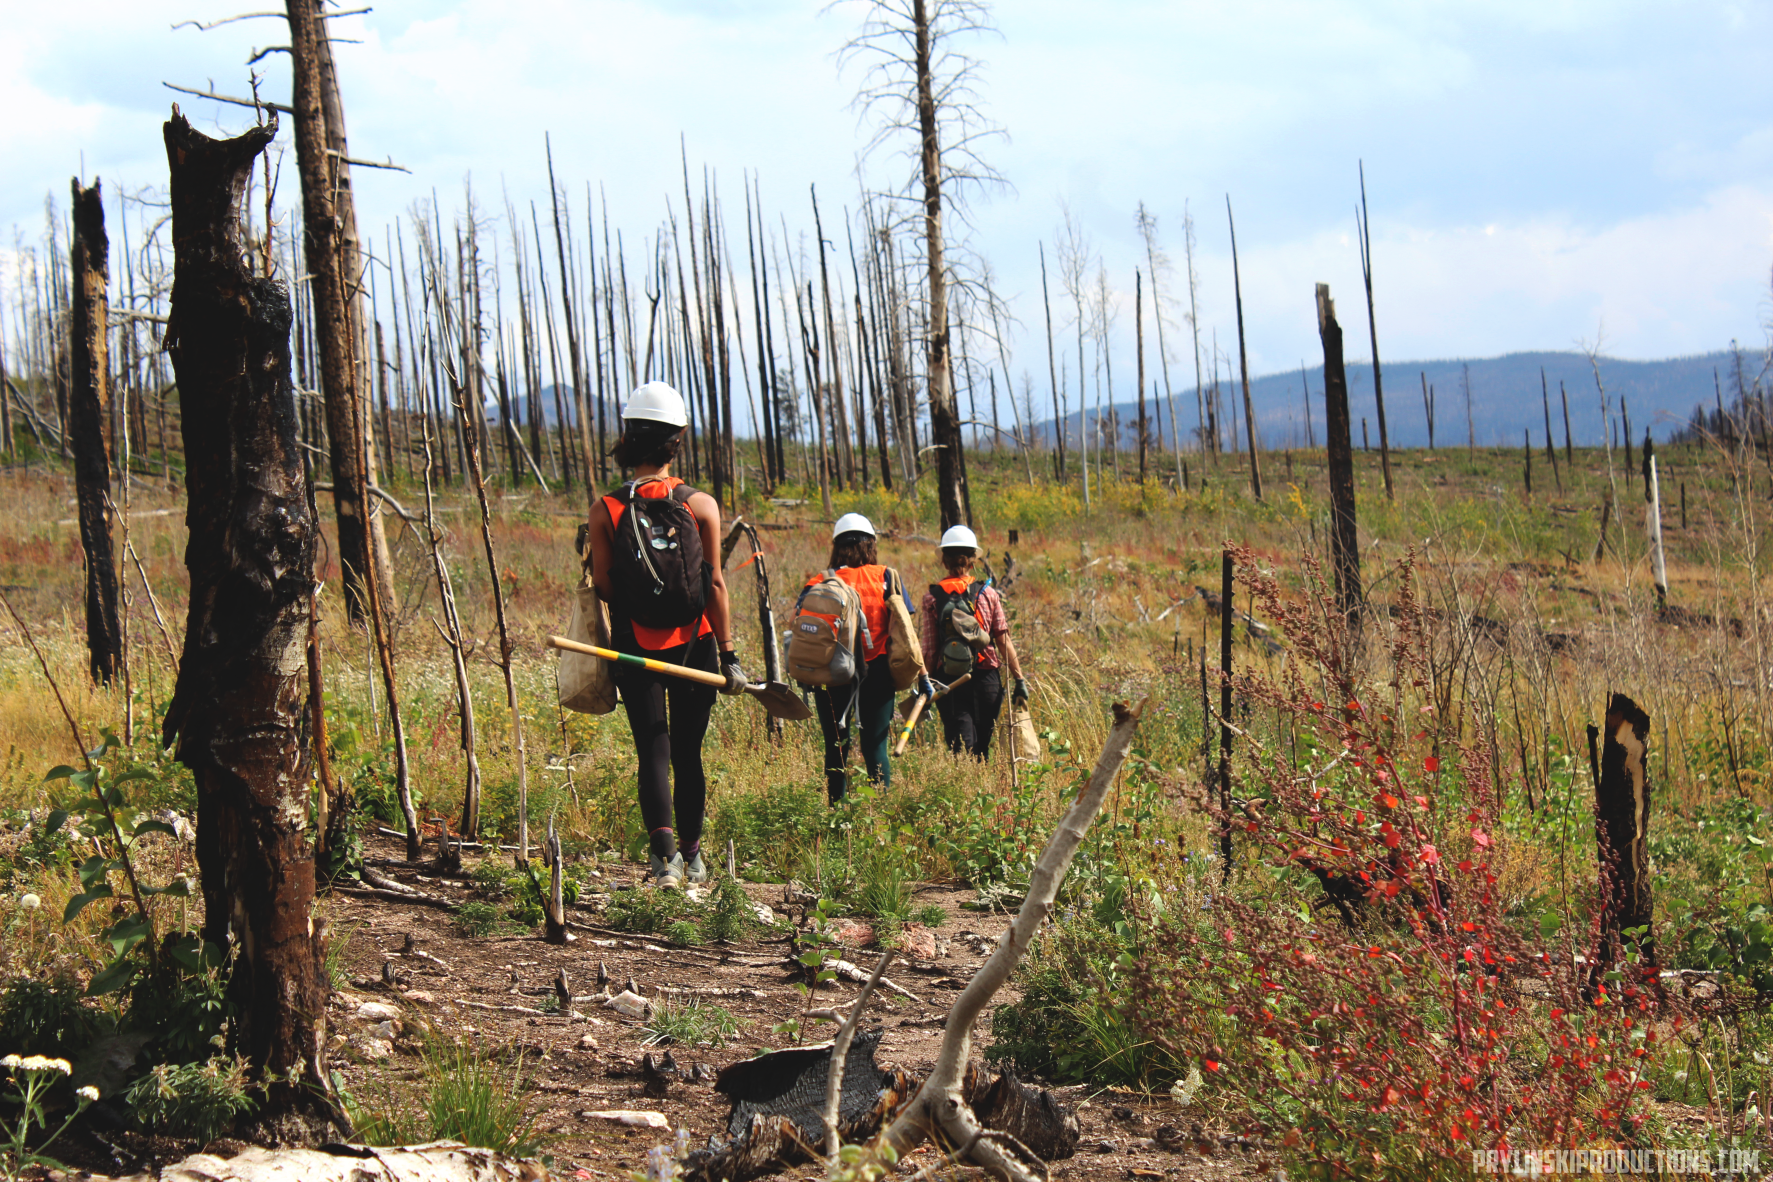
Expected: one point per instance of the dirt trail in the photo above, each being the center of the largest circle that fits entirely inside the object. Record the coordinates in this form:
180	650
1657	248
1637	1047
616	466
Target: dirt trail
590	1062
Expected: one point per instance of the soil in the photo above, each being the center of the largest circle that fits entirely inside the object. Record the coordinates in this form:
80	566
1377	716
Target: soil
589	1062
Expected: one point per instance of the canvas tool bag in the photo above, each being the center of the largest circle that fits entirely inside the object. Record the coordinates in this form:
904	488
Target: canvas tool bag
587	684
904	651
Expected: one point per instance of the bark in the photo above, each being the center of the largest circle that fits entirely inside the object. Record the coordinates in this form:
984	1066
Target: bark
1139	333
236	717
89	409
1373	336
944	422
1046	303
1243	363
1344	545
939	1110
329	239
1622	827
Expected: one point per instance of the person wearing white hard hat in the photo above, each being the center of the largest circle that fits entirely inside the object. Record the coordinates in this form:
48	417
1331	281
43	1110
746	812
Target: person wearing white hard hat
966	630
652	540
865	704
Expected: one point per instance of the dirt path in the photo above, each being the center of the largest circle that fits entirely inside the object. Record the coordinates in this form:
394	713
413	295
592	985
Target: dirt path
589	1062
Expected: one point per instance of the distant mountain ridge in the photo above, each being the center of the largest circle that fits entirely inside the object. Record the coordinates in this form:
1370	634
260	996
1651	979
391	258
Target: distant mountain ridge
1505	399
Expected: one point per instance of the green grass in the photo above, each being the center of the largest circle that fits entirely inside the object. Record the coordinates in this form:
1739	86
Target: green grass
691	1024
462	1094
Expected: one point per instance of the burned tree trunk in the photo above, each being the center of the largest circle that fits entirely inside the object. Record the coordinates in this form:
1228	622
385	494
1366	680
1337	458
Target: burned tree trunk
329	233
944	421
237	715
1344	543
1622	829
89	409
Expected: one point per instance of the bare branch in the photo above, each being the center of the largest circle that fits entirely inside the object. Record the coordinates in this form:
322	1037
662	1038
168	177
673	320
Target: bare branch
266	104
203	27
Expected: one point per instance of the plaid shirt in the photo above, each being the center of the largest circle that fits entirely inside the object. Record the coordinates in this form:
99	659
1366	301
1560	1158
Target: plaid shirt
991	617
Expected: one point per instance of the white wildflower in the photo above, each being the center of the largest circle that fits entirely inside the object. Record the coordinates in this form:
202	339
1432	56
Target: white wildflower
45	1063
29	902
87	1093
12	1061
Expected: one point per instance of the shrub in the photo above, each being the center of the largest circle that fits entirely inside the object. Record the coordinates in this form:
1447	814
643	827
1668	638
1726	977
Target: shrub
1363	984
48	1017
476	919
196	1100
931	915
731	916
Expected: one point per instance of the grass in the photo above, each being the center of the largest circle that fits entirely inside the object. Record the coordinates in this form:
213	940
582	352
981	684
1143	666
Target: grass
1104	609
691	1024
462	1093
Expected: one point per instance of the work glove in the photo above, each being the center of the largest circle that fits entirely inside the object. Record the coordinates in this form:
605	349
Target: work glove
736	681
1019	694
925	687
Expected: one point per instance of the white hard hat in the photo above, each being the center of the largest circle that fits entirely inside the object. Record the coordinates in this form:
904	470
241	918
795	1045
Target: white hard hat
852	523
658	402
959	537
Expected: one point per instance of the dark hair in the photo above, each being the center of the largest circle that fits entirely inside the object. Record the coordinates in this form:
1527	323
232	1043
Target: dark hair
957	559
854	549
647	441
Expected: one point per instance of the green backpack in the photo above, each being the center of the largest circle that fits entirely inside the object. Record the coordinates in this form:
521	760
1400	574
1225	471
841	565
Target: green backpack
959	636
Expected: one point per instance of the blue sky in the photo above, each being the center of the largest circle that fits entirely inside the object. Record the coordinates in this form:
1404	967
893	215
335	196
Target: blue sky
1539	173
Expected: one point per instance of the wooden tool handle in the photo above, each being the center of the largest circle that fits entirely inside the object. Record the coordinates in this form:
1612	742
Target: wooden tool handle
910	721
683	671
917	710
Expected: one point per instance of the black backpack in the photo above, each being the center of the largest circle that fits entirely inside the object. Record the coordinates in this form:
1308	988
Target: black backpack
959	637
660	575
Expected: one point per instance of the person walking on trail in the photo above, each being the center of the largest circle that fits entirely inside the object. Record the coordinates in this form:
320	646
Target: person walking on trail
965	630
652	544
865	702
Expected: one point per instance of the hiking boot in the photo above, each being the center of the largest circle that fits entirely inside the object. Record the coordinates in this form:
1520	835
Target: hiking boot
695	870
668	876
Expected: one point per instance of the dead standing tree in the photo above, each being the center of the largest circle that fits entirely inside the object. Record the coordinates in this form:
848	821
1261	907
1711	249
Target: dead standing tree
1622	828
335	266
236	718
1344	541
921	84
89	409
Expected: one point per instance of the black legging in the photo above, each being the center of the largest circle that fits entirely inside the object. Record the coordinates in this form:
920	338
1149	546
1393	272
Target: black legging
969	714
872	714
668	717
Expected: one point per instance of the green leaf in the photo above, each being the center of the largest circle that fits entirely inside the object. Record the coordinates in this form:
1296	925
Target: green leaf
94	869
126	933
143	827
78	903
60	771
57	818
117	975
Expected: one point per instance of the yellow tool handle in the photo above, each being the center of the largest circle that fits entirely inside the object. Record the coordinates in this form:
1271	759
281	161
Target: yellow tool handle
917	711
609	654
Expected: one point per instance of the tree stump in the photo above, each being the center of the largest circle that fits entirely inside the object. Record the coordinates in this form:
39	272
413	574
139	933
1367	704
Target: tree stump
237	714
89	409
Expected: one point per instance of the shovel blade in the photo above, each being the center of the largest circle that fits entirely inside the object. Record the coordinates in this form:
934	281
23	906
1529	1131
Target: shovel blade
780	701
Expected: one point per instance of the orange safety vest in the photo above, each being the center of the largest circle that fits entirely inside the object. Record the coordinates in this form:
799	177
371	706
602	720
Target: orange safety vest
870	585
656	639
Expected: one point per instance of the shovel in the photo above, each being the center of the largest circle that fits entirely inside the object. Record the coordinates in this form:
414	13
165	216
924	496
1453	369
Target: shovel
917	705
776	697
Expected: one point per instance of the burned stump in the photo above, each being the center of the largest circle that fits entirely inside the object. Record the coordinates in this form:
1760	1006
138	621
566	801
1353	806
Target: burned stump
1622	830
89	409
237	718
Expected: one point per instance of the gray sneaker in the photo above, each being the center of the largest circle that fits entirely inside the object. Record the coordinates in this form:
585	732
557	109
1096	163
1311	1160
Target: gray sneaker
667	876
695	870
